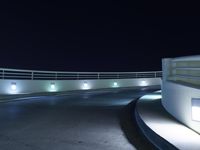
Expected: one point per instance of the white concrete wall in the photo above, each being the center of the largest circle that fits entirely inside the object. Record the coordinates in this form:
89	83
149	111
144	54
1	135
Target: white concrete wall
35	86
177	96
177	100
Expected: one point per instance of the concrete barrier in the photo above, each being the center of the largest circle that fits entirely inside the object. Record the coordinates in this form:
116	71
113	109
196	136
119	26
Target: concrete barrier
181	89
8	86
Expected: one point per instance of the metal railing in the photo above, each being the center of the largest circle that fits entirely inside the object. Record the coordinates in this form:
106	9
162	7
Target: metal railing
185	70
59	75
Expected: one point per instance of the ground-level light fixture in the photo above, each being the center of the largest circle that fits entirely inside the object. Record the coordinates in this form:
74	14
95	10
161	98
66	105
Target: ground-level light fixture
196	109
85	86
115	84
52	85
13	86
143	83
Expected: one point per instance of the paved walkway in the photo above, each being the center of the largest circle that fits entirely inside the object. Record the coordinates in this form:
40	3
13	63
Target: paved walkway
79	121
155	117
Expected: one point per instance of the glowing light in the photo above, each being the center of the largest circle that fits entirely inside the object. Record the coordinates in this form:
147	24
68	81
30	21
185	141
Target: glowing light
151	96
195	109
159	91
52	86
195	113
85	86
13	86
143	83
115	84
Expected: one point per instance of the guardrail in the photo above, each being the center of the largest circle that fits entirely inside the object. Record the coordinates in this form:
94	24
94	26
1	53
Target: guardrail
185	70
59	75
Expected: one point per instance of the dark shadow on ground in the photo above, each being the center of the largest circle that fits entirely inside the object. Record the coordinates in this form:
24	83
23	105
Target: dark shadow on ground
131	130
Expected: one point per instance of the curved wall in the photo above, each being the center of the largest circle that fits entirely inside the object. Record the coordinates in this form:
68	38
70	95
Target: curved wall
181	89
35	86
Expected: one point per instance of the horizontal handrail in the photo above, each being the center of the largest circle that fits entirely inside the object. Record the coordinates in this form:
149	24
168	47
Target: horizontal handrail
184	69
61	75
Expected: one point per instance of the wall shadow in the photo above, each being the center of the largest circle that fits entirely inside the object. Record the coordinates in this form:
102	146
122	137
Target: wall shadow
131	130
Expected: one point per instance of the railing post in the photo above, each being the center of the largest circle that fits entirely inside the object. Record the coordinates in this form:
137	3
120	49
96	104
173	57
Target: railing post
154	74
56	76
136	75
3	74
118	76
98	76
77	76
31	75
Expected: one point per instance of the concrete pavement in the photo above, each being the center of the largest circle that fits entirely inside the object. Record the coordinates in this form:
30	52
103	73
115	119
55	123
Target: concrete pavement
84	121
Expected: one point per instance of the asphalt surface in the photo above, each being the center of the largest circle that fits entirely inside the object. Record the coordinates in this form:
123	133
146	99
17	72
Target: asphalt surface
78	121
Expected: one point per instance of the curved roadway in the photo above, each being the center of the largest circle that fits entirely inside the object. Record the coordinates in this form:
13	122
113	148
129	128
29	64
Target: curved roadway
87	120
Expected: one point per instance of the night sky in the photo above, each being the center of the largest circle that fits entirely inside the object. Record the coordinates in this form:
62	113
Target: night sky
95	35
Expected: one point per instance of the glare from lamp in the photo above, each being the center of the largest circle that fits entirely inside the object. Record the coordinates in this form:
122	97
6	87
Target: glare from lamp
195	109
195	113
85	86
13	86
115	84
143	83
52	85
151	97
